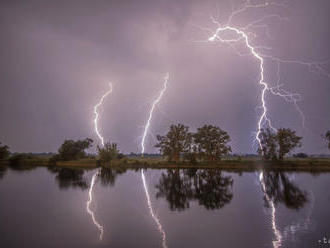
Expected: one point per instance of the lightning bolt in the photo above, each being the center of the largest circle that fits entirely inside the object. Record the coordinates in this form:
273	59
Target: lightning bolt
154	104
278	236
96	113
243	35
89	211
90	191
146	129
151	210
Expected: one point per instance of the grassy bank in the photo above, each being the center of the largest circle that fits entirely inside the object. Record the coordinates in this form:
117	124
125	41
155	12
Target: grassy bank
229	164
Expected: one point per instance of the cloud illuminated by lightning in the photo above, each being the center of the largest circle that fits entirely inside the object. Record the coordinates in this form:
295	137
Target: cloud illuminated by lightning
154	104
89	211
96	119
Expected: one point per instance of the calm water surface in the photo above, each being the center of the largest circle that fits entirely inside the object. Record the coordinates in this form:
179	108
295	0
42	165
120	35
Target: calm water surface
45	207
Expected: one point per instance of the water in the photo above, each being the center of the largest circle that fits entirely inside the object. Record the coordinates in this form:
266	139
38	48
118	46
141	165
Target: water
44	207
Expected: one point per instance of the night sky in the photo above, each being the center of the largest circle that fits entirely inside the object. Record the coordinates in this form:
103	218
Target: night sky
57	58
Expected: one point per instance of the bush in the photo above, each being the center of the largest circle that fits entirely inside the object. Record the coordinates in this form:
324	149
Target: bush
300	155
4	152
109	153
73	150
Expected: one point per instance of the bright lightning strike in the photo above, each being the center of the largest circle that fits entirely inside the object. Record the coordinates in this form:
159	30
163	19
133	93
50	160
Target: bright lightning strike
146	128
245	35
154	104
89	211
278	236
96	119
242	35
90	192
152	213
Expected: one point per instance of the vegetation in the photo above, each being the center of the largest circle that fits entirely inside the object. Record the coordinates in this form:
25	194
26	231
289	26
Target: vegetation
176	142
73	150
327	138
300	155
209	143
109	152
274	146
4	151
180	148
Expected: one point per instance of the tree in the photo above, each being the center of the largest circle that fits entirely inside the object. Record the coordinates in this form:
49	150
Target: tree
300	155
211	142
109	152
73	150
4	151
175	143
287	140
276	145
268	144
327	138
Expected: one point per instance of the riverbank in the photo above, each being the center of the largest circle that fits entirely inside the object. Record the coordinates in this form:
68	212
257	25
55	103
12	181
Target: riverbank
253	164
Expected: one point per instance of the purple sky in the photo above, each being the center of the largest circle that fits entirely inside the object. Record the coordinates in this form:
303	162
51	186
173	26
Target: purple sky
57	58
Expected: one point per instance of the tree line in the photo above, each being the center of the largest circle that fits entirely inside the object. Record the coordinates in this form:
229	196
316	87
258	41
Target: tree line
208	143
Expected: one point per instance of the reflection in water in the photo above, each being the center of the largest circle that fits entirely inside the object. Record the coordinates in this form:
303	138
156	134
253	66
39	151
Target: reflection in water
67	178
278	188
278	236
3	170
282	190
89	211
302	224
152	213
209	187
108	176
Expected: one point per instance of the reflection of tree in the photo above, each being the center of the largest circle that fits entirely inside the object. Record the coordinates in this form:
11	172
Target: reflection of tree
281	190
3	170
67	178
176	188
108	176
210	188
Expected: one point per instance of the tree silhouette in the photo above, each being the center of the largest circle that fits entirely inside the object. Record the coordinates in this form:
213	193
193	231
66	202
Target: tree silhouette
211	142
274	146
176	142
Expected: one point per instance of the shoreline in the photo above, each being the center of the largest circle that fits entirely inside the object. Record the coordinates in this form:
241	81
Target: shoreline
297	165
